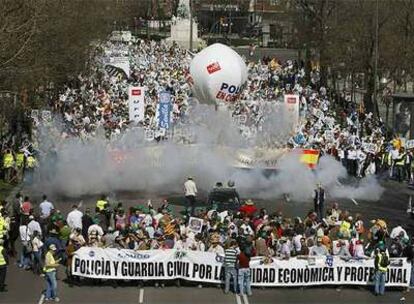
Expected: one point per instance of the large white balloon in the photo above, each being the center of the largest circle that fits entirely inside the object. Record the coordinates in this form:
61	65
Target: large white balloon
218	74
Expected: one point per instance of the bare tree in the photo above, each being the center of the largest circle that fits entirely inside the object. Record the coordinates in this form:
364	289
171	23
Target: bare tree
317	25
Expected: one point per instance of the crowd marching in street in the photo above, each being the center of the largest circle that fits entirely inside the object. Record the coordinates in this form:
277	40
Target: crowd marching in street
330	123
47	239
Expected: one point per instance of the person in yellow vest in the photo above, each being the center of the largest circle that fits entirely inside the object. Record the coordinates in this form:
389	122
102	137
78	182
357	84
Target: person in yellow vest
50	268
3	266
31	164
8	165
102	203
20	162
3	227
345	227
400	163
102	206
381	263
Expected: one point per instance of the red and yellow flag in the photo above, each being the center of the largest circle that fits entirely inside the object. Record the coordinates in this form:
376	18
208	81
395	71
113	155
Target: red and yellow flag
310	157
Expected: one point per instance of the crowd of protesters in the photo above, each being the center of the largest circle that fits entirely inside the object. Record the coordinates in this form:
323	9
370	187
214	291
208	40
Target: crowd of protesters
332	124
46	234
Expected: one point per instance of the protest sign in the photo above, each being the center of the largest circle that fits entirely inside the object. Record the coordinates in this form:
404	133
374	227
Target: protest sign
195	224
46	116
318	113
120	62
164	110
149	135
291	103
369	147
136	97
207	267
239	120
34	114
242	119
121	36
409	144
329	121
329	135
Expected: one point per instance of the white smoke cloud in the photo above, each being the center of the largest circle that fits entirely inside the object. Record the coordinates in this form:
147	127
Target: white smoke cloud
89	167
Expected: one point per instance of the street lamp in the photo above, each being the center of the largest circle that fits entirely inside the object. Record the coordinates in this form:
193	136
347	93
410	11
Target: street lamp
191	24
376	112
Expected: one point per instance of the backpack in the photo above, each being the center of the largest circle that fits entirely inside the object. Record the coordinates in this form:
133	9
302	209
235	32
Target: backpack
385	261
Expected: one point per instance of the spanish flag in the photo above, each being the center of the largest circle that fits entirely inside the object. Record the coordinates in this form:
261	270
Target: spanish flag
310	157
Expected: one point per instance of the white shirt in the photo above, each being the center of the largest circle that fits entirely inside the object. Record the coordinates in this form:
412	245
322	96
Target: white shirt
218	249
352	154
45	208
190	188
24	233
285	250
37	244
34	226
97	228
199	246
296	242
247	230
359	251
361	156
74	219
394	154
188	243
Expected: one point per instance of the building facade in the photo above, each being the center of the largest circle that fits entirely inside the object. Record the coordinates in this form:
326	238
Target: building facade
270	21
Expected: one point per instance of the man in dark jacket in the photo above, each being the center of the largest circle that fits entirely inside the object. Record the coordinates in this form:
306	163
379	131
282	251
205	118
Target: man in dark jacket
409	253
319	201
87	221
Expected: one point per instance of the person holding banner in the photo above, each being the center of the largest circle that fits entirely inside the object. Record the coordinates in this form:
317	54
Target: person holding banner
381	264
50	269
243	260
230	259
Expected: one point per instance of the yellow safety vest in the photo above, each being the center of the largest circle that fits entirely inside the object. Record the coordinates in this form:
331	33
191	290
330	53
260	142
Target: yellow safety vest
344	226
380	268
49	259
2	259
100	204
3	227
31	162
401	162
386	159
19	160
8	160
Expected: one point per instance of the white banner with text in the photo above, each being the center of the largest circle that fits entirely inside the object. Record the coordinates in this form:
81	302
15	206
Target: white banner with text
207	267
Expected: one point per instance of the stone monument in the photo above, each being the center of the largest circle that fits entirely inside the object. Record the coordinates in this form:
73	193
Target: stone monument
181	27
